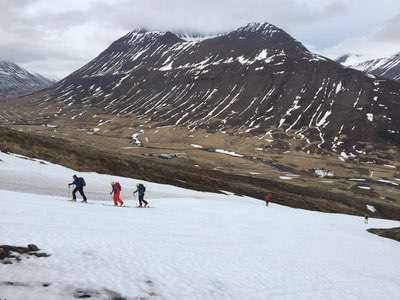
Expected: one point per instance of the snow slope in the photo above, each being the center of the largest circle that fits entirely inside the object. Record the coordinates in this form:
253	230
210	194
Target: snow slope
191	245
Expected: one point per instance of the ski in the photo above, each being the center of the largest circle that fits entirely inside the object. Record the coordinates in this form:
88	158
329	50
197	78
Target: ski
112	205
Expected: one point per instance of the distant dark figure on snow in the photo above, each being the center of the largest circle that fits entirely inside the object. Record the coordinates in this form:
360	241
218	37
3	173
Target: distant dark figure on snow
140	189
366	217
267	199
79	184
116	192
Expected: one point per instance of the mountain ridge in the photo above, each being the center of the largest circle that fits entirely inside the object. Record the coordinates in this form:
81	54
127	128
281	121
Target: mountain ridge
15	80
256	79
388	67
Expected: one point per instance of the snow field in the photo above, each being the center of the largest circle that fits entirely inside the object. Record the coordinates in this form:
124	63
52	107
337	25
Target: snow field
191	245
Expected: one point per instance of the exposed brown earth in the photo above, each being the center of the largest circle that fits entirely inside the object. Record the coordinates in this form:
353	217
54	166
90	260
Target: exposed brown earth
392	233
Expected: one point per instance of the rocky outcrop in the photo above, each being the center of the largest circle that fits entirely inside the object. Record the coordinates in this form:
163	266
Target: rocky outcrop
10	254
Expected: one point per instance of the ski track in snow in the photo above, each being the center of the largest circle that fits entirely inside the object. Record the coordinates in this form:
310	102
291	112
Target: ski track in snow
192	245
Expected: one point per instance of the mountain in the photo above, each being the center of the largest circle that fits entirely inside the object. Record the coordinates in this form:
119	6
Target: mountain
385	67
15	80
254	80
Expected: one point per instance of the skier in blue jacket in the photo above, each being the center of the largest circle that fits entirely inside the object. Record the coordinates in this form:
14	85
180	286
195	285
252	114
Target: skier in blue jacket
140	189
79	184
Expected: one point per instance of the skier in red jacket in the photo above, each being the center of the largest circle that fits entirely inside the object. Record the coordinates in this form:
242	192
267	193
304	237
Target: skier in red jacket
116	192
267	199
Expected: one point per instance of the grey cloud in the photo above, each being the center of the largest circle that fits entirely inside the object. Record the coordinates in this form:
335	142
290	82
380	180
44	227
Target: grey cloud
75	33
28	38
337	8
206	15
390	31
24	52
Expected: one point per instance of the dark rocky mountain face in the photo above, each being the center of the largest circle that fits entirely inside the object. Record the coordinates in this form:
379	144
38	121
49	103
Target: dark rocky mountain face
255	80
15	80
385	67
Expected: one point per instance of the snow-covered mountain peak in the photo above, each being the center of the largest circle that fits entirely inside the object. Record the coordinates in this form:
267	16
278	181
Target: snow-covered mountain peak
142	35
276	37
265	29
15	80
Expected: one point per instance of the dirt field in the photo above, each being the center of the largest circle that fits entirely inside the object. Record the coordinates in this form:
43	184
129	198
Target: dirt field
392	233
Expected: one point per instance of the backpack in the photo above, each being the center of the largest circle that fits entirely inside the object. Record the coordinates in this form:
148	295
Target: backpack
82	181
141	188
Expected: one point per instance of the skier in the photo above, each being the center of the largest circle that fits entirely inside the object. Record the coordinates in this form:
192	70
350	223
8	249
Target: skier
366	217
116	190
267	199
79	184
140	189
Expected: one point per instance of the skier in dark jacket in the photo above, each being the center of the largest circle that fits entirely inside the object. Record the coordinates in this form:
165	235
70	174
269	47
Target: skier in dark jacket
366	217
140	189
79	184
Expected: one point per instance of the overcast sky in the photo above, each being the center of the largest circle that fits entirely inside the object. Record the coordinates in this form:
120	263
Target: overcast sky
57	37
